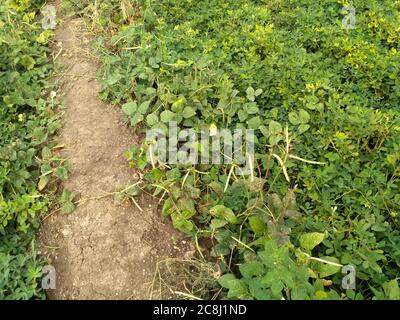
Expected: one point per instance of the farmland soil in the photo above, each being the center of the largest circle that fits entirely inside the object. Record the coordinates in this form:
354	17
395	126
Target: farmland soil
102	250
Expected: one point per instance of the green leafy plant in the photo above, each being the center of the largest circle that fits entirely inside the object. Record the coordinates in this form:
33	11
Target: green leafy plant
324	102
28	168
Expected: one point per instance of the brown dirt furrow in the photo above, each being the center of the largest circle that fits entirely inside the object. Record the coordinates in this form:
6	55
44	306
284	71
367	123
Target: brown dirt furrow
105	251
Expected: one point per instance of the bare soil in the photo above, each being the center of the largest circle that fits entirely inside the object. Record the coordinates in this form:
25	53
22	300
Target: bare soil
102	250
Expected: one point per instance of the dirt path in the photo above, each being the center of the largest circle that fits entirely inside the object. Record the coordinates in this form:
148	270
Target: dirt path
102	250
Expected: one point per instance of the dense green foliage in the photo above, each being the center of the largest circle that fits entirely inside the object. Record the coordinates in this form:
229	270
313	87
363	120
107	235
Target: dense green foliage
336	91
26	121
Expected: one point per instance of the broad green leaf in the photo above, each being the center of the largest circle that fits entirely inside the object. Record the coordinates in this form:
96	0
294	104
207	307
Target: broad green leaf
237	289
221	211
303	128
217	187
168	207
324	269
188	112
304	116
68	207
144	107
225	280
152	119
252	110
129	108
392	290
217	223
254	123
309	241
167	116
257	225
252	269
275	127
28	62
294	119
136	118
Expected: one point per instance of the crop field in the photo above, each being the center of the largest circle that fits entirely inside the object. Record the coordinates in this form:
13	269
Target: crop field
312	209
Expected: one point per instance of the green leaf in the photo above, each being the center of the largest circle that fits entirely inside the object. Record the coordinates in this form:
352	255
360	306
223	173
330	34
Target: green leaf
46	153
324	269
167	116
144	107
180	223
252	269
237	289
304	116
275	127
178	105
68	207
188	112
28	62
61	173
253	109
43	181
136	118
254	123
250	94
257	225
168	207
113	79
152	119
293	118
309	241
303	128
221	211
217	223
217	187
392	290
129	108
225	280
